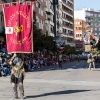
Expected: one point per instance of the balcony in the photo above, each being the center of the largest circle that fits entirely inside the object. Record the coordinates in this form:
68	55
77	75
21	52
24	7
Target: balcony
71	1
46	9
68	26
51	34
49	11
49	16
67	10
68	36
51	1
46	22
71	44
68	5
51	23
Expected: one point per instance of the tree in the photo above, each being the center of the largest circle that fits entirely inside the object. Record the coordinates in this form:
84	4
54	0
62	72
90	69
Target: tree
13	0
41	41
69	49
98	45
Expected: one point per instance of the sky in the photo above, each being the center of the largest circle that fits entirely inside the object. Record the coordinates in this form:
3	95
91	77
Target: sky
80	4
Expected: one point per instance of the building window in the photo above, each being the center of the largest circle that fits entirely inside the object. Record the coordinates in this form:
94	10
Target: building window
91	29
91	14
98	15
91	24
87	14
95	29
95	33
78	23
95	15
38	4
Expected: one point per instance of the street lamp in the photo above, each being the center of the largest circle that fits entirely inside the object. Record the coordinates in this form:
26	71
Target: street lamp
55	2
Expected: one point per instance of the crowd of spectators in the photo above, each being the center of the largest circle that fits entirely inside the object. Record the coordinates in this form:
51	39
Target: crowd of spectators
32	61
4	68
39	60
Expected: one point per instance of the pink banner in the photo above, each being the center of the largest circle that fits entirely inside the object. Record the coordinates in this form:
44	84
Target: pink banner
18	28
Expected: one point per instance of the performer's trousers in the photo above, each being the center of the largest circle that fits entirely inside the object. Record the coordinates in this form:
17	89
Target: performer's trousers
17	82
91	64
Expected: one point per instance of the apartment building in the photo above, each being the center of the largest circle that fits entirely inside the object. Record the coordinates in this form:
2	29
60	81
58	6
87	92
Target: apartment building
49	17
79	28
65	20
40	15
1	20
43	13
91	17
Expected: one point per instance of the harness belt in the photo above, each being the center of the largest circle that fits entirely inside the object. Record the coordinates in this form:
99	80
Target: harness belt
17	71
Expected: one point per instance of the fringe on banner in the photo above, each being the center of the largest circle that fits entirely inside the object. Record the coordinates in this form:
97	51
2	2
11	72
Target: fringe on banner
16	3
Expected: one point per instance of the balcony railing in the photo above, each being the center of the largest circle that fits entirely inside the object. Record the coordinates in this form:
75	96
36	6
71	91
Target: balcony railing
68	4
49	11
68	11
71	27
71	20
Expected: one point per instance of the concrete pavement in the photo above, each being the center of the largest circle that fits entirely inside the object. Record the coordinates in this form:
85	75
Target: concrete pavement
66	84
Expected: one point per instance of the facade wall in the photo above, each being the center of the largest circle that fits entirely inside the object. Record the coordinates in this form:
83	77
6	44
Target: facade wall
79	27
43	11
91	17
40	15
1	17
65	20
79	45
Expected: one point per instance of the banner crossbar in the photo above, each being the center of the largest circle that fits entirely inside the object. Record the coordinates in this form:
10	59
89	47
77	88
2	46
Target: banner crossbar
17	2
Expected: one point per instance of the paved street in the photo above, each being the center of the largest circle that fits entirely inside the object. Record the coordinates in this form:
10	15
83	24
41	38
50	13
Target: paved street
73	82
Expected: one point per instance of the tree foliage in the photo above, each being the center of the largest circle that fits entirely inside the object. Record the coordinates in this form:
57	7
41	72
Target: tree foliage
41	41
98	45
69	49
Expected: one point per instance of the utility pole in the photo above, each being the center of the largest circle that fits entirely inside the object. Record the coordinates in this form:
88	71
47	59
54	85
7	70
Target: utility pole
55	2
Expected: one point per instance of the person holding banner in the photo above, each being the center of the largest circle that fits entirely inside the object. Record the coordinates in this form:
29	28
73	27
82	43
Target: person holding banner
18	20
17	74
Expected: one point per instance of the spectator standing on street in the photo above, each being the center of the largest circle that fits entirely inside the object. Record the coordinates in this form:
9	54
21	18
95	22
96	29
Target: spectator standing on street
78	57
91	61
60	59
